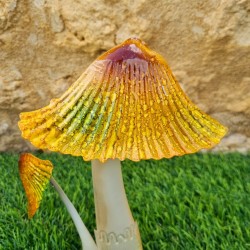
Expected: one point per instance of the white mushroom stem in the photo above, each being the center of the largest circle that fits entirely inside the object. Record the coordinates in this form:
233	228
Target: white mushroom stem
116	228
88	242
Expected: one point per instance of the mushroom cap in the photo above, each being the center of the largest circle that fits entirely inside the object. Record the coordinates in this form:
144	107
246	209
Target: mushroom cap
35	175
127	104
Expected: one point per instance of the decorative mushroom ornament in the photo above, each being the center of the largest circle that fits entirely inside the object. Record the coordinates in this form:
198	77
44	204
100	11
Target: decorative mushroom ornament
35	174
126	105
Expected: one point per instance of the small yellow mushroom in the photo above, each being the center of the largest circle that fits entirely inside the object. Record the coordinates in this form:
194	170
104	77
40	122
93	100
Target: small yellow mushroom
35	175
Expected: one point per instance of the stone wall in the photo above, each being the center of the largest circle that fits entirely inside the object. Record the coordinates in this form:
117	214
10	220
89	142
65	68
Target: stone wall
46	44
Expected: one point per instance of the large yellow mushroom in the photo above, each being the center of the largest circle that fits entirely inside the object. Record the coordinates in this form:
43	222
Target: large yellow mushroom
126	105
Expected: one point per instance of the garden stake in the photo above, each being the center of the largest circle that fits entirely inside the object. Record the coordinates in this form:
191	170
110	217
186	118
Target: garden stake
126	105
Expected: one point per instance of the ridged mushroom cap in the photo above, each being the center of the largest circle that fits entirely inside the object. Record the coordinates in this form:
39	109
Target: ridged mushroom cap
127	104
35	175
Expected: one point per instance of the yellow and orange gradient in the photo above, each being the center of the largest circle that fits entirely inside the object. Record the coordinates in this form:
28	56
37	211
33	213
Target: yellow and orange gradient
35	175
127	104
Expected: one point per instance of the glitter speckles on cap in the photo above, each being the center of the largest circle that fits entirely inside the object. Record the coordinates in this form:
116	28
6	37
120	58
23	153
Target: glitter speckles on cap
127	104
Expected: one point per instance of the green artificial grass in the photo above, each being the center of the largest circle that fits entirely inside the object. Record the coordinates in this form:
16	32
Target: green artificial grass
199	201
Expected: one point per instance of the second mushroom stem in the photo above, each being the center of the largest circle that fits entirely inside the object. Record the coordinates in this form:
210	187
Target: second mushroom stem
86	239
116	228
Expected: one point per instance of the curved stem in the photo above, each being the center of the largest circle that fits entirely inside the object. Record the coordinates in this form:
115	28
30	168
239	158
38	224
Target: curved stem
86	239
116	228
